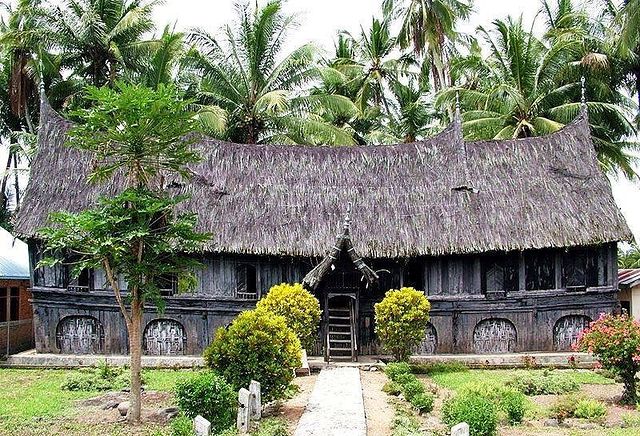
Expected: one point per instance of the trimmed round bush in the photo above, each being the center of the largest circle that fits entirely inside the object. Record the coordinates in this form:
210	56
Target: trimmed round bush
210	395
259	346
394	369
543	382
475	410
298	306
411	389
401	320
423	402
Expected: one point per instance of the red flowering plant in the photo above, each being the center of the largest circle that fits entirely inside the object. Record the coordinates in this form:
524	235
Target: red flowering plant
615	341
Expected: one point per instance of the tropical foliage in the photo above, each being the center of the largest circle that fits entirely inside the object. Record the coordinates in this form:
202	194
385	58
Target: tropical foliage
393	80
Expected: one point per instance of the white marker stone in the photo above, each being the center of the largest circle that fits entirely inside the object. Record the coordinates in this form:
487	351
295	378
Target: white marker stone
201	426
461	429
256	400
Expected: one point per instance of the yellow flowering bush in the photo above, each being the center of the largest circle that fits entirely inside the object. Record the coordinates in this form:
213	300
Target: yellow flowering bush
299	307
401	320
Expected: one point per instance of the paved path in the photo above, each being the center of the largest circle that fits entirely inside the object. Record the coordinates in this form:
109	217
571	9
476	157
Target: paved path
336	407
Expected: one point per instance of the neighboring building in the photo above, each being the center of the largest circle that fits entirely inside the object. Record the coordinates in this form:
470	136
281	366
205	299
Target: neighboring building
513	242
16	315
629	284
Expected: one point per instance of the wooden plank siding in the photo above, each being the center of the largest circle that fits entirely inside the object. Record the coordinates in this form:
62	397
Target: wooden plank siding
455	286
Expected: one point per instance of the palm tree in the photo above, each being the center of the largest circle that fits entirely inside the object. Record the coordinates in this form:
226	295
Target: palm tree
101	38
263	98
534	89
629	258
429	26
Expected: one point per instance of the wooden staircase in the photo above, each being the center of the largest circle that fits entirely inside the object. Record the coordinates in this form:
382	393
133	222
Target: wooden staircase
341	333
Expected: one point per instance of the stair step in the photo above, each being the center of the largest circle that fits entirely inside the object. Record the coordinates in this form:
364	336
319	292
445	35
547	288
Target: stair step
339	341
340	349
340	333
339	317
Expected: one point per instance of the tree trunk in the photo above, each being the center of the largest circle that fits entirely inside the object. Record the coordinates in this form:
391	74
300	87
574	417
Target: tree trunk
135	351
637	75
630	395
16	180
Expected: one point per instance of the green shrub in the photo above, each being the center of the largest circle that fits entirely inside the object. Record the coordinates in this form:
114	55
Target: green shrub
564	407
590	409
423	402
103	377
401	320
272	427
405	423
438	367
394	369
412	388
392	388
513	404
403	379
475	410
182	426
299	308
207	394
256	346
542	383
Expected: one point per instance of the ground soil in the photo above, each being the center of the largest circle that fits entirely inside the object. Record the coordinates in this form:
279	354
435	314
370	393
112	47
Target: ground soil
291	410
377	408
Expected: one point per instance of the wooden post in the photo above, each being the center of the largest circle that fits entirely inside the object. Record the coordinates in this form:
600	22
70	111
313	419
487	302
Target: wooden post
244	410
255	400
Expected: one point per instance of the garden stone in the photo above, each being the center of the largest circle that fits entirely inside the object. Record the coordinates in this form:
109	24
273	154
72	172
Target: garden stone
461	429
162	416
123	408
111	405
551	422
587	426
373	369
201	427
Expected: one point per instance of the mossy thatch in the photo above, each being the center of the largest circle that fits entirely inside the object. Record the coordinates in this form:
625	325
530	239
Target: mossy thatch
432	197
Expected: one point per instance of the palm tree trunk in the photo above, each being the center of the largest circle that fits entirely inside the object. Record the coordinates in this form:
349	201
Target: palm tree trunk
16	180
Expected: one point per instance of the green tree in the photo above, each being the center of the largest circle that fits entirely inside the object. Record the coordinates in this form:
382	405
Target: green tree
533	88
99	39
429	27
261	90
630	257
138	136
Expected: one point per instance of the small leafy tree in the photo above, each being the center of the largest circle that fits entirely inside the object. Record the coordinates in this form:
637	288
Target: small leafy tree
135	235
259	346
299	308
615	341
401	320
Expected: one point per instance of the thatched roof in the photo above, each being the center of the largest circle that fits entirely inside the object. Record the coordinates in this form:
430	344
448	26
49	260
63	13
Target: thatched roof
431	197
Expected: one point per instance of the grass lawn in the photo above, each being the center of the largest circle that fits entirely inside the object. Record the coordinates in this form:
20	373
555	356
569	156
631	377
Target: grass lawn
31	398
457	380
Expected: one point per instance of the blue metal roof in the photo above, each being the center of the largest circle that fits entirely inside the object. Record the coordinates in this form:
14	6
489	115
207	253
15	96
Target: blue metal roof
14	257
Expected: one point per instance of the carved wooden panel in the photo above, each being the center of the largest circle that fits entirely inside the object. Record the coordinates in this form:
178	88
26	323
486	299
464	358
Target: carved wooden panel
429	344
80	335
494	336
164	337
567	330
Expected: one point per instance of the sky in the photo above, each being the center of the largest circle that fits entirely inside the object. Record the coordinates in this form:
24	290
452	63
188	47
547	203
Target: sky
319	21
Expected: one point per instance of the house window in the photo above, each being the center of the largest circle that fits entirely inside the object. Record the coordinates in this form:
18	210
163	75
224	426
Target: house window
499	273
246	282
83	283
579	268
540	269
9	304
167	285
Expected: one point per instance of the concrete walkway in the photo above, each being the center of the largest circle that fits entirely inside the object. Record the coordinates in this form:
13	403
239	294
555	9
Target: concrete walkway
336	407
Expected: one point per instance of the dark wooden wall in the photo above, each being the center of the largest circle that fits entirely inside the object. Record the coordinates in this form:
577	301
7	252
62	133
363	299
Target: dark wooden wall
469	303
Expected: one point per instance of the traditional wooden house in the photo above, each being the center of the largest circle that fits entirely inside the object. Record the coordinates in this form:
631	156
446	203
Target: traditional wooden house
16	315
513	242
